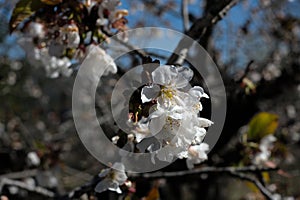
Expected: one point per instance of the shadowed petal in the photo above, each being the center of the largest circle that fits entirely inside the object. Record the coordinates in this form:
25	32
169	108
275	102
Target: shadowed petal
149	93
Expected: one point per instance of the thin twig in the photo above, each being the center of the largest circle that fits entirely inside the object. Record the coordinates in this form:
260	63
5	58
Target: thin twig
185	15
19	175
79	191
22	185
247	70
203	170
257	183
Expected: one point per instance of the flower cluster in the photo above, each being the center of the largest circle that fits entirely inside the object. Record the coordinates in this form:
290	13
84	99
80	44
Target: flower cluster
59	39
174	119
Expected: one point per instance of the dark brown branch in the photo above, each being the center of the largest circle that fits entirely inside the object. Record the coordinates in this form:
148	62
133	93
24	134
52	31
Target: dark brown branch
247	70
199	28
203	170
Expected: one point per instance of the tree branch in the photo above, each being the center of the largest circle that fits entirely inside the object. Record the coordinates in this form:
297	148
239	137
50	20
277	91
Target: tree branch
89	186
19	175
22	185
185	14
258	184
203	170
198	30
246	71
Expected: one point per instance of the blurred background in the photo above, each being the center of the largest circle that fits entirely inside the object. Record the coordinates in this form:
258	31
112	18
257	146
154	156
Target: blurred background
256	47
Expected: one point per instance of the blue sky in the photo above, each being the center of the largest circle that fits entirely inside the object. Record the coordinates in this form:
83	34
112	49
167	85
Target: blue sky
230	24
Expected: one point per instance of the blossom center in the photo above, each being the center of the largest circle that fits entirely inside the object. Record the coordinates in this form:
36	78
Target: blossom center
172	123
168	92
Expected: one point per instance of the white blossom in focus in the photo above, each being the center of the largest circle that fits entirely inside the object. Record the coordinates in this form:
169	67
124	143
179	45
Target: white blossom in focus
141	130
170	81
175	121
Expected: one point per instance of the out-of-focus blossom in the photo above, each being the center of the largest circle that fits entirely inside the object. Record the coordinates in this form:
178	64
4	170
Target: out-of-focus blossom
115	139
70	35
265	147
46	179
58	41
113	178
98	57
271	72
33	159
40	57
196	154
35	29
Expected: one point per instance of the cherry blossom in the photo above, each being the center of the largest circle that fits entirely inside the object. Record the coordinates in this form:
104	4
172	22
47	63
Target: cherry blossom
174	119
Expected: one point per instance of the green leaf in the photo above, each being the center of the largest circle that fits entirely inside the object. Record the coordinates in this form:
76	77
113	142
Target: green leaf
23	10
261	125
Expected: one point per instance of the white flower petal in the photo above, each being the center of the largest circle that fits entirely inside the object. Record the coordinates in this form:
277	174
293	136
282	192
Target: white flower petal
156	124
163	75
139	136
113	186
186	72
165	154
120	177
200	134
198	92
203	122
158	112
104	172
184	75
180	81
149	93
118	166
141	130
197	154
98	57
118	190
204	147
102	186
